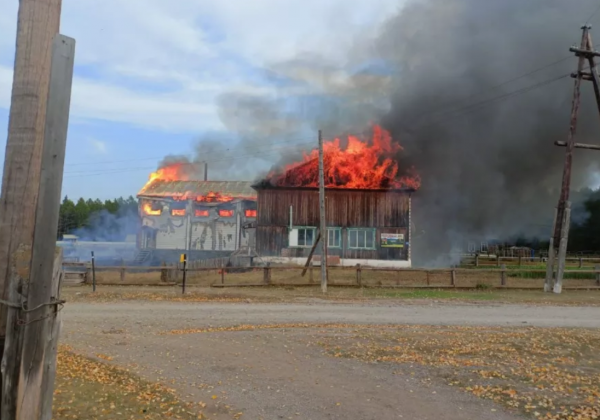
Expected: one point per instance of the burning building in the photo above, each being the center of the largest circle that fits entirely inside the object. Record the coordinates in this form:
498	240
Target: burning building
201	218
368	205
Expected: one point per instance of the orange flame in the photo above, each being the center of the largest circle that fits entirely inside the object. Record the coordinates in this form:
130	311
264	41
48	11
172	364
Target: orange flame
360	165
148	210
178	212
226	213
173	172
212	197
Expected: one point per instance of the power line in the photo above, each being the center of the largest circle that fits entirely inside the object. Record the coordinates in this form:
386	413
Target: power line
460	111
156	158
514	79
451	114
146	168
593	14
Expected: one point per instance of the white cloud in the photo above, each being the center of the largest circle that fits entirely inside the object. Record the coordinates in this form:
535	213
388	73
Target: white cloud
99	146
190	51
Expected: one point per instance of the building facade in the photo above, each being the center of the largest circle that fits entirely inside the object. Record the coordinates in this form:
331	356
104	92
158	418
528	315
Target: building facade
202	218
368	227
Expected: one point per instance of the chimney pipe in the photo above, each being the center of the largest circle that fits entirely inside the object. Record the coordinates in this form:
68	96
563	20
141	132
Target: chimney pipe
206	171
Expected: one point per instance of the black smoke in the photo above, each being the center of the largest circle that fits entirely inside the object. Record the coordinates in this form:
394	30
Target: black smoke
484	147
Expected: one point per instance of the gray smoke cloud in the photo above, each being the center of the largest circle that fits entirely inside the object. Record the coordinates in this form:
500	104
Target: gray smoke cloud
441	76
488	165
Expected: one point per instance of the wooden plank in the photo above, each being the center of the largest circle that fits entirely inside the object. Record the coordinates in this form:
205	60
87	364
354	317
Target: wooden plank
13	347
50	351
43	280
312	251
578	145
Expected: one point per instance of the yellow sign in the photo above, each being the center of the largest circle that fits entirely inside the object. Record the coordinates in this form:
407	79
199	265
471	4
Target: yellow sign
182	258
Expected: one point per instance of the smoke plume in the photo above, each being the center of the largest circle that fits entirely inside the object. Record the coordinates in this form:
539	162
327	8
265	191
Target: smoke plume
443	77
484	148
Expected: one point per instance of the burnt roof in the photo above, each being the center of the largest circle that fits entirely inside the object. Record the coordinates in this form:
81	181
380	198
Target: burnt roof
265	185
160	188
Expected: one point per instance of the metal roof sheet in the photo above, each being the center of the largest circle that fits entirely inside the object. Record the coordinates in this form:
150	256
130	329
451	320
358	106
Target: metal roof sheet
160	188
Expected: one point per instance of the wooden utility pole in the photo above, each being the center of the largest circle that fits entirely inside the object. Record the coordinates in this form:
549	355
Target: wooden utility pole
323	225
41	326
38	23
562	218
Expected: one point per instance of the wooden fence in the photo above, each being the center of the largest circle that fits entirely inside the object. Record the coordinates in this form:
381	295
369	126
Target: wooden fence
483	260
358	276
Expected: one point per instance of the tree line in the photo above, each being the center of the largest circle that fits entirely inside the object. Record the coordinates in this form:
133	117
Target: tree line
97	220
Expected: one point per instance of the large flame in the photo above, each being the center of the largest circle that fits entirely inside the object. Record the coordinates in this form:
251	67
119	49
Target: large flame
360	165
148	210
172	172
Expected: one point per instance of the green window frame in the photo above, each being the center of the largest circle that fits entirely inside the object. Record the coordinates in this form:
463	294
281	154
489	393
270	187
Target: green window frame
361	238
334	238
306	236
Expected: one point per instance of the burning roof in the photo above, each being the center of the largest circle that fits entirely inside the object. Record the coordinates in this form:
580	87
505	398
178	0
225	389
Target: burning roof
362	164
198	190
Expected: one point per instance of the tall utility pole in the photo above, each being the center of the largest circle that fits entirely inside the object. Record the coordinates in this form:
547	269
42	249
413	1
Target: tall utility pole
38	23
323	225
562	217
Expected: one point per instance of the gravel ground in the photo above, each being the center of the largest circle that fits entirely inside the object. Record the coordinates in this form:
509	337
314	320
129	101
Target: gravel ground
283	374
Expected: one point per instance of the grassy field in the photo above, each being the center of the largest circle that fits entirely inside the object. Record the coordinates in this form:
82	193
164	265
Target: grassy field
545	373
106	293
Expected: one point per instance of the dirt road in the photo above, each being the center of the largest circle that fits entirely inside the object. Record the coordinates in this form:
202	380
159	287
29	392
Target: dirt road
188	315
284	373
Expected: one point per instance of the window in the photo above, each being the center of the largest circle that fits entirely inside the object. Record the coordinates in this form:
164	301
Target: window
302	237
361	238
334	238
152	209
226	213
201	213
178	212
250	213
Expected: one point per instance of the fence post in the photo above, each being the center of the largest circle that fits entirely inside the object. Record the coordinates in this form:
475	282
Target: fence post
597	268
427	274
267	274
184	258
520	260
497	260
93	273
358	275
503	275
453	277
222	274
122	271
163	273
580	262
310	272
476	260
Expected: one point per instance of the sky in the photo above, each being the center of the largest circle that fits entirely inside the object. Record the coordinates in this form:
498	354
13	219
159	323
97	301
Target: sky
149	75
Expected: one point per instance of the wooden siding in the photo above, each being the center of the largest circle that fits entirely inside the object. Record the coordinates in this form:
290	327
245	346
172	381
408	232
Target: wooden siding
385	211
344	208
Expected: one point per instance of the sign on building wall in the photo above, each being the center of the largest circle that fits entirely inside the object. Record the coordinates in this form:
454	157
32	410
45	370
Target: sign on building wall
392	240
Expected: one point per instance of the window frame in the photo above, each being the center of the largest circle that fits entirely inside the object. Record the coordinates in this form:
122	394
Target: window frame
305	228
178	206
372	231
201	216
339	231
